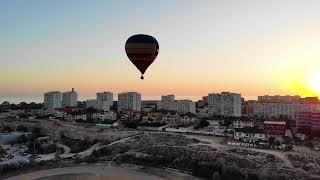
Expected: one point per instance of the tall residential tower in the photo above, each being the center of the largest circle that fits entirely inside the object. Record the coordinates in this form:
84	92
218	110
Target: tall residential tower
70	99
129	101
52	100
225	104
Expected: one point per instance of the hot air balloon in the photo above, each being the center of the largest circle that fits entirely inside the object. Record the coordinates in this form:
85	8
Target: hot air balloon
142	50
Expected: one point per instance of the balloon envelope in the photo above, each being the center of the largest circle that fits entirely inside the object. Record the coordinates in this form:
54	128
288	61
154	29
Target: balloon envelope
142	50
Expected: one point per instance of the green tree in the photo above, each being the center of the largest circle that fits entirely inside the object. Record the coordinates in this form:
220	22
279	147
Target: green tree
271	141
277	143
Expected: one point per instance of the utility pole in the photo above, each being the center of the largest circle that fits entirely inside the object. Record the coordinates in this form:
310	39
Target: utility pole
56	138
34	148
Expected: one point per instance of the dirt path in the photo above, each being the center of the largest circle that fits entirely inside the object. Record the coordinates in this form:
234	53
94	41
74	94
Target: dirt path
278	154
97	146
124	139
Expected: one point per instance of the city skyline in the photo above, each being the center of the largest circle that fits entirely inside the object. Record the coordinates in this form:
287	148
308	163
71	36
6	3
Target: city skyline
253	48
40	98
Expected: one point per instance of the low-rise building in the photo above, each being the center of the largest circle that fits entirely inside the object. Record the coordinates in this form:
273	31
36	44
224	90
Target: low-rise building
242	123
155	117
75	115
171	118
275	127
249	134
308	120
188	118
129	115
111	116
216	126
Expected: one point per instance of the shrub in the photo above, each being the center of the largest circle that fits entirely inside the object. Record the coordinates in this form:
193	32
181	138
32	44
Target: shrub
47	149
289	147
21	128
278	177
202	124
2	152
22	139
232	172
216	176
7	129
253	177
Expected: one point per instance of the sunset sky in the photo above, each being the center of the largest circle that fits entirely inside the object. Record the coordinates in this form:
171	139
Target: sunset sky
253	47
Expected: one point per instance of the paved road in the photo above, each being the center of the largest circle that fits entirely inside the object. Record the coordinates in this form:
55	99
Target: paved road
103	173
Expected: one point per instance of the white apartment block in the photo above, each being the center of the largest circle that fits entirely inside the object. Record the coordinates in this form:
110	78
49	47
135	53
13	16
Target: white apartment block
70	99
167	98
185	106
167	102
105	96
181	106
278	109
279	99
99	105
129	101
52	100
225	104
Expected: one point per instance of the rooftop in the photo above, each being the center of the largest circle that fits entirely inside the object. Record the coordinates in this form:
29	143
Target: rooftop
275	122
253	130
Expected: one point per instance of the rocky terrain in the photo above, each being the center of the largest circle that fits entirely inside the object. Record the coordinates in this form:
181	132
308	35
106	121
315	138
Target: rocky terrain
201	156
200	159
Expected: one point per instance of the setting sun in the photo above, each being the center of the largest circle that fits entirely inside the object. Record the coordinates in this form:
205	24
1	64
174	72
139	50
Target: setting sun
314	82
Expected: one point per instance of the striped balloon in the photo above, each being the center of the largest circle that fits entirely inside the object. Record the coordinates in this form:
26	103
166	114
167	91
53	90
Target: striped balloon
142	50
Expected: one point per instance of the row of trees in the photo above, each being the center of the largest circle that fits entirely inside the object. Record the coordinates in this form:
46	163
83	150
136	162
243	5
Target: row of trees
202	124
21	106
20	128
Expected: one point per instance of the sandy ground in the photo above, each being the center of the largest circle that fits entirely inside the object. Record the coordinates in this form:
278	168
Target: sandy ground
102	173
